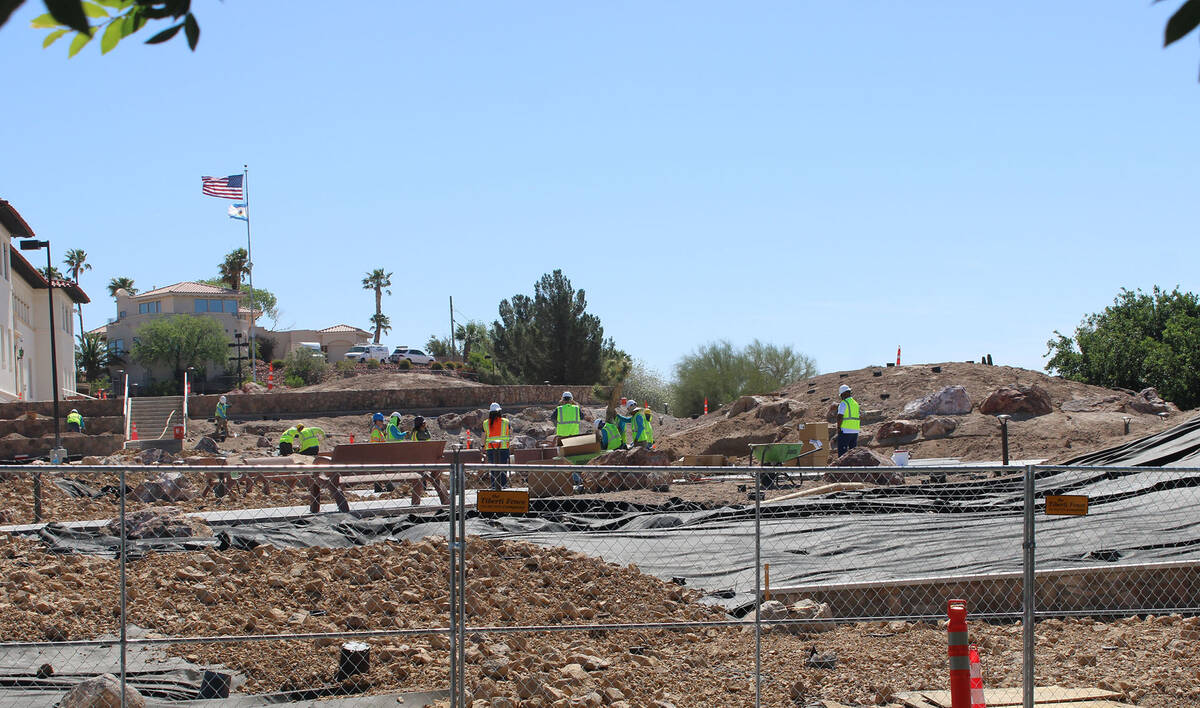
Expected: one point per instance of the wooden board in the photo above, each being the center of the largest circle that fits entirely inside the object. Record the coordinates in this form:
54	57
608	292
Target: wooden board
1055	696
396	453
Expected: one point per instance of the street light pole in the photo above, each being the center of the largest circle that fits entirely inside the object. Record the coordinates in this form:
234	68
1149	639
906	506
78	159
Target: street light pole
57	454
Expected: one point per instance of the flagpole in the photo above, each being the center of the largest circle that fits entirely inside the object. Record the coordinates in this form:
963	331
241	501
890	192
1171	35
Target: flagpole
250	260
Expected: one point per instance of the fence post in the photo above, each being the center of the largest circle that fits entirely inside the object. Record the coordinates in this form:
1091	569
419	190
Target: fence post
124	551
37	497
462	580
757	589
1028	588
451	541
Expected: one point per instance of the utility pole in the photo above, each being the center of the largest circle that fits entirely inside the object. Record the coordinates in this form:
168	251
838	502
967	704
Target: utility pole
452	349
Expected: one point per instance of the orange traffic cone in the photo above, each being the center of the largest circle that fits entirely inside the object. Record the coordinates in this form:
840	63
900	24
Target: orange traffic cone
133	431
976	679
351	438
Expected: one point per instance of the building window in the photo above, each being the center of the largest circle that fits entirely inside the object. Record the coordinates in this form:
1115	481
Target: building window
231	306
216	305
149	308
121	314
116	347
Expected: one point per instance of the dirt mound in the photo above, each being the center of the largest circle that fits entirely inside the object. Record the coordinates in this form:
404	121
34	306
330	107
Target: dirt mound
390	381
1081	417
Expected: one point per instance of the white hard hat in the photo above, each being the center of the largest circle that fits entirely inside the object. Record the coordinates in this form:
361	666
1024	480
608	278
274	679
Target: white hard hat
843	389
631	404
223	399
566	394
74	410
494	408
599	423
395	414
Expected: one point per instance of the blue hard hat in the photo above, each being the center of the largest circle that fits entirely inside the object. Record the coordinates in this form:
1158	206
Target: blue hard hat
377	417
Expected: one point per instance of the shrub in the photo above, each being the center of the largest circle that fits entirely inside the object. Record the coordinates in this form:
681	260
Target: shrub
293	381
449	365
278	364
304	366
372	364
165	387
345	367
404	364
436	366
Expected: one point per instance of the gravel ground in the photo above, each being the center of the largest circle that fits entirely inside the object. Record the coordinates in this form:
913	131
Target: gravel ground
1152	661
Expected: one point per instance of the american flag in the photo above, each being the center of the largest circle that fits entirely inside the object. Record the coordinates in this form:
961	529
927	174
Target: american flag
225	187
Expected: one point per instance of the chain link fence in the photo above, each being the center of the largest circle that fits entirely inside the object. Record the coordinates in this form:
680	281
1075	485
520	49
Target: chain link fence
683	586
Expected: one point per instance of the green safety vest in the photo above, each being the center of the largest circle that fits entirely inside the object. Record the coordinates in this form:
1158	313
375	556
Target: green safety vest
647	434
288	435
309	438
419	436
75	418
498	442
378	435
222	410
568	417
615	437
850	419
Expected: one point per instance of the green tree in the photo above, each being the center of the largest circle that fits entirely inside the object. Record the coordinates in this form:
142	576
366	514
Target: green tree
76	261
92	357
51	273
380	324
181	341
121	283
114	21
646	385
719	372
472	334
1142	339
551	336
231	270
439	347
302	365
379	281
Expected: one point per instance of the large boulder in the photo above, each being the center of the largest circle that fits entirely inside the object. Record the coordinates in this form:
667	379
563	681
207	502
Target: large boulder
780	412
537	415
952	400
895	432
1148	401
165	522
745	403
170	486
1114	402
155	456
738	445
1017	399
638	456
103	691
806	609
860	457
207	444
938	428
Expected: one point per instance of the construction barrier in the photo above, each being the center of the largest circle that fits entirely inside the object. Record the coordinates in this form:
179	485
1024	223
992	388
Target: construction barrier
960	666
977	700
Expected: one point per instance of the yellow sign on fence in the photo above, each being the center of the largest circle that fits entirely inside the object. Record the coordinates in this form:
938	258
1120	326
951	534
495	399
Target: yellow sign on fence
1067	504
506	502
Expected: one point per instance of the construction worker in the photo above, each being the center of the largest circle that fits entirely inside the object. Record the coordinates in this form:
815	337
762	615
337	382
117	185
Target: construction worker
567	416
848	422
308	439
394	433
378	428
497	436
643	432
74	421
610	437
221	416
420	433
285	441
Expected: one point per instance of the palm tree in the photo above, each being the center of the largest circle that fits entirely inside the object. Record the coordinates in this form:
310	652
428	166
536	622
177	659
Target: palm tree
471	334
122	283
50	273
92	357
380	323
378	281
236	264
76	260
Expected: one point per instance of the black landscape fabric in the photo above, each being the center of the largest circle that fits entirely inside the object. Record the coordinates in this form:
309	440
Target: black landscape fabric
1175	447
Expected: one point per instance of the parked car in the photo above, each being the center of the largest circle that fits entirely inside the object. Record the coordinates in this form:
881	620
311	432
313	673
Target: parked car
416	356
362	352
315	348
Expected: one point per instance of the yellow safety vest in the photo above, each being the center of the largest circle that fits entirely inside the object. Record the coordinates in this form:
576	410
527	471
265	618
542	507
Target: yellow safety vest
615	437
310	438
377	435
75	418
647	434
850	420
288	435
567	417
500	441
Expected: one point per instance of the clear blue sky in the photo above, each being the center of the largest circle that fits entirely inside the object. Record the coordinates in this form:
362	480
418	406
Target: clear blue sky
955	177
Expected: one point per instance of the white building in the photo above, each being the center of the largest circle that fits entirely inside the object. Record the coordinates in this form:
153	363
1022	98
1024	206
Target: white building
25	370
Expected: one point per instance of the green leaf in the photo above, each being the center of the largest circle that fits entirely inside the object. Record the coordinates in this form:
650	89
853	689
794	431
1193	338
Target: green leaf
192	28
1182	22
165	34
115	4
78	43
70	13
45	21
93	10
112	35
52	37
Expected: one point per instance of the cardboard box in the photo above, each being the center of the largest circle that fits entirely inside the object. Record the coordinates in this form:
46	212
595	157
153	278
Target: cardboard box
817	430
550	483
579	445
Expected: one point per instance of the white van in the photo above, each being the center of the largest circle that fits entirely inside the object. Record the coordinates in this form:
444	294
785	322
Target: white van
315	348
362	352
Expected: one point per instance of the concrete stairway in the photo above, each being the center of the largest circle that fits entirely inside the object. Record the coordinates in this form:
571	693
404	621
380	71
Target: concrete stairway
156	417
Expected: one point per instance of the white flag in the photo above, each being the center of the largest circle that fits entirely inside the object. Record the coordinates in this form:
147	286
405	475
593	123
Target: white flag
238	211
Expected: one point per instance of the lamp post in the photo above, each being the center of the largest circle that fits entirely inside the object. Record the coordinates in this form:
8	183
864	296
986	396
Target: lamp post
1127	419
1004	418
58	454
